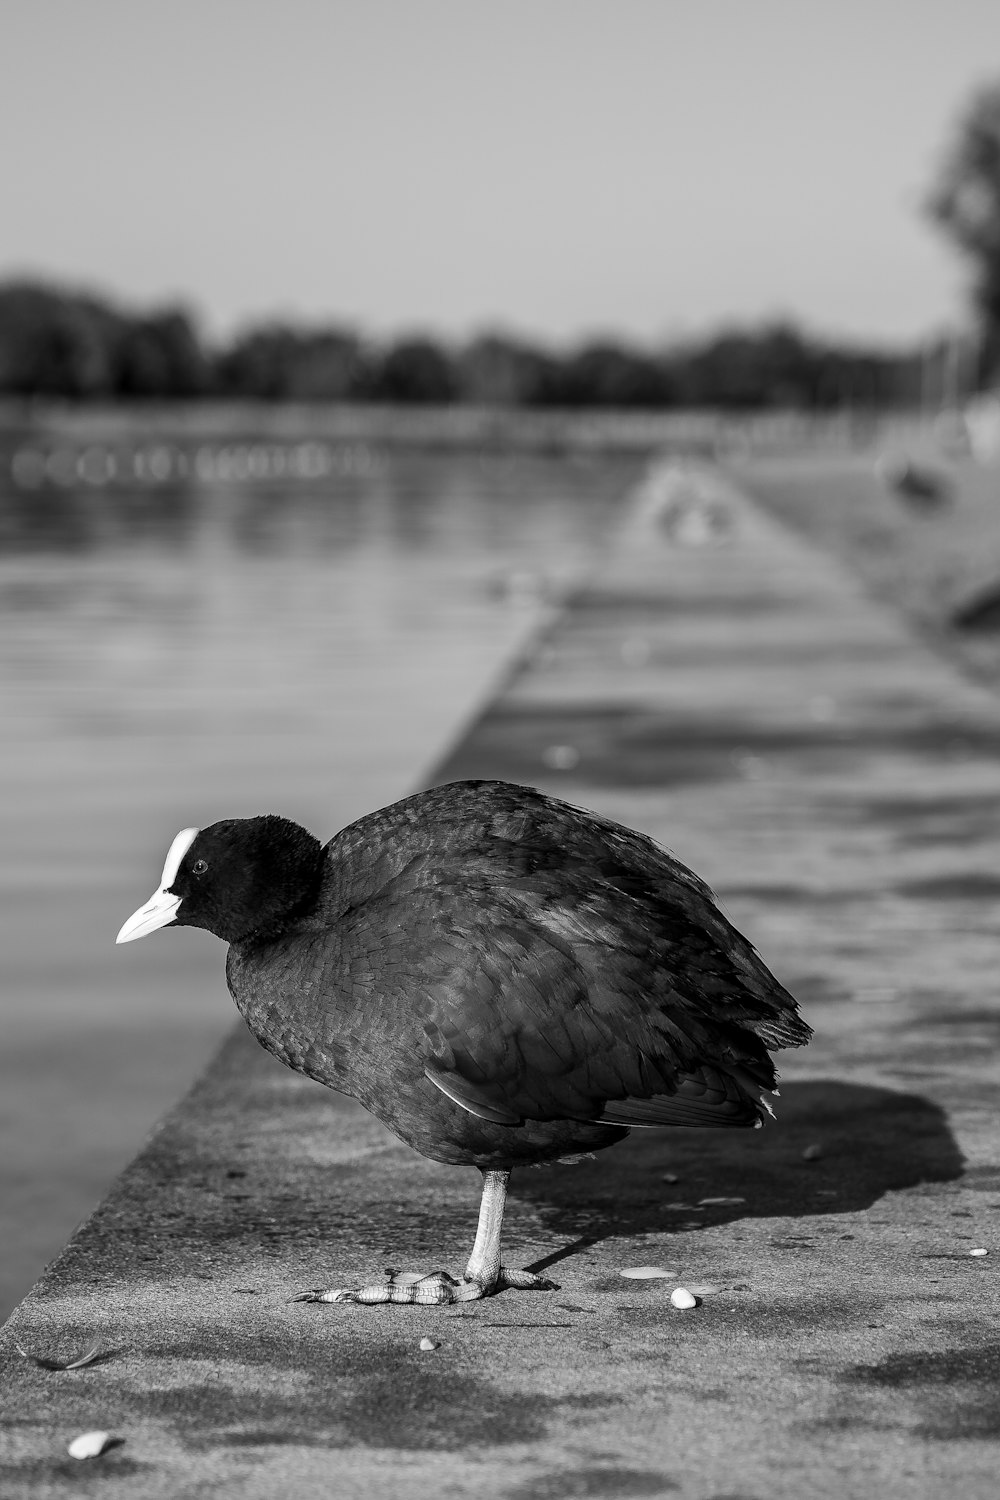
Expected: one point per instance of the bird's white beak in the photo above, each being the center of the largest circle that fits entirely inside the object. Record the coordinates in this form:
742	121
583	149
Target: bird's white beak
158	911
162	906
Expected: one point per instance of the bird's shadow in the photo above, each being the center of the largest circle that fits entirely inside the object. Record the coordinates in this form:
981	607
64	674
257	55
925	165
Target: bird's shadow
837	1148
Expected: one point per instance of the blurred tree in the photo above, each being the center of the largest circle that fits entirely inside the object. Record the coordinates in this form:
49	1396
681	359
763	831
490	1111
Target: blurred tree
412	369
276	363
329	366
56	343
608	374
258	363
161	355
966	202
773	366
496	370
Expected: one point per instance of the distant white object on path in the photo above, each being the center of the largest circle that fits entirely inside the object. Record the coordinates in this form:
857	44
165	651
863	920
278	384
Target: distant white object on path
687	503
982	422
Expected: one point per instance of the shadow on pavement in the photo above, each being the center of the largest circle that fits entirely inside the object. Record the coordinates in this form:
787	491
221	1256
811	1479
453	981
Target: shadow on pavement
836	1148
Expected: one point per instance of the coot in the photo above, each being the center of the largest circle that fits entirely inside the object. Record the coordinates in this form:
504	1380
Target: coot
500	977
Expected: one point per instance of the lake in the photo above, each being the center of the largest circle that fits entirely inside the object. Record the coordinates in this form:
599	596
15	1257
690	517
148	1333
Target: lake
216	625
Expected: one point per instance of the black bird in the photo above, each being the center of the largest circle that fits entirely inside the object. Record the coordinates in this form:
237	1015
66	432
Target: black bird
501	978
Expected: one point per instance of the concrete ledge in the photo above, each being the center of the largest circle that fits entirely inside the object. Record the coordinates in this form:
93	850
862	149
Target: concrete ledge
841	788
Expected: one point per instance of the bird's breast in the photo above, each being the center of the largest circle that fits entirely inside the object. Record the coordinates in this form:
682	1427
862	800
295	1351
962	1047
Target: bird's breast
323	1014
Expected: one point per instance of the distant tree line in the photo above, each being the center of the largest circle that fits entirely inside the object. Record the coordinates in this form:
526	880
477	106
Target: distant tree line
59	343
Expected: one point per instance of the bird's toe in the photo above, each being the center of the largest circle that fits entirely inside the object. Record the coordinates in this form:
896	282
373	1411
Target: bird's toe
524	1281
437	1289
405	1287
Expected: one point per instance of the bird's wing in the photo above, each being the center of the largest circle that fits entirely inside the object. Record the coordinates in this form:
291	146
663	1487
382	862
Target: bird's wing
521	1022
556	965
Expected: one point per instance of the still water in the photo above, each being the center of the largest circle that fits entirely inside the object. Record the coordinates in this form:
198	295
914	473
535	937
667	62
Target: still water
189	633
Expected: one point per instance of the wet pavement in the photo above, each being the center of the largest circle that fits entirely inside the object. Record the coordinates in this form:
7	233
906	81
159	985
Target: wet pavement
839	786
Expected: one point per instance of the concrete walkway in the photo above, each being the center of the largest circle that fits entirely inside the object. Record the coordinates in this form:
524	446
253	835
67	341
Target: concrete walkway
840	787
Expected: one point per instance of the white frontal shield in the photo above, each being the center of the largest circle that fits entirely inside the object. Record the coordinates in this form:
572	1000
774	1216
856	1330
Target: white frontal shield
162	906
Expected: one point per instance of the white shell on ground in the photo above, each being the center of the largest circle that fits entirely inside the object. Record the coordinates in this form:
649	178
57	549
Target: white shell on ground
45	1363
427	1344
682	1298
645	1273
979	1252
89	1444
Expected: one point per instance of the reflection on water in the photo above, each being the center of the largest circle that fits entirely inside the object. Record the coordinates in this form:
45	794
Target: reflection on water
186	641
199	609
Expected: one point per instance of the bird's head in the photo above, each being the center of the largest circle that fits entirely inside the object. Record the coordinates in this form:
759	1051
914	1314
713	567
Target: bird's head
241	878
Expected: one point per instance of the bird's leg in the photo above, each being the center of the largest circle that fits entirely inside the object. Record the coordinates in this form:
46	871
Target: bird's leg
484	1268
483	1275
484	1262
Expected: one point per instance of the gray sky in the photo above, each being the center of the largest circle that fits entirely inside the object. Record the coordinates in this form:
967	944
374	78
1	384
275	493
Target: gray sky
645	167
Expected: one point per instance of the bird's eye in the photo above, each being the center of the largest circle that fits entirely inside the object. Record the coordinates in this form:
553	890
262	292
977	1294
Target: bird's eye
199	867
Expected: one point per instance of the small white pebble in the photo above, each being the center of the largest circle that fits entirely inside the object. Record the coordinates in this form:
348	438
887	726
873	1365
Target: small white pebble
681	1297
670	1177
812	1153
89	1445
427	1344
645	1273
979	1252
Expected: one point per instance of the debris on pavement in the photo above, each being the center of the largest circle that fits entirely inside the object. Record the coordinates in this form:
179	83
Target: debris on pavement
91	1444
681	1298
45	1363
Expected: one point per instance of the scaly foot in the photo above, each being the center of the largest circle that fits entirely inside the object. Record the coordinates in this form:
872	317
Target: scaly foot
437	1289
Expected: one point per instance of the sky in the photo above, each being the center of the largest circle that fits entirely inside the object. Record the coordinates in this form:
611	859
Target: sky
650	169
